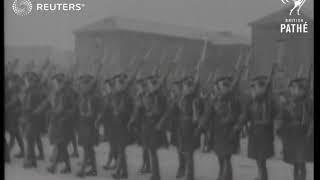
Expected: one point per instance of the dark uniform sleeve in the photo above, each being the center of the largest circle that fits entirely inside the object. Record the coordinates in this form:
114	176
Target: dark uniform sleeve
69	104
282	118
207	115
169	114
136	116
97	105
244	117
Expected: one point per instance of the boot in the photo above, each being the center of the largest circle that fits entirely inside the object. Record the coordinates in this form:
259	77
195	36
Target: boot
7	159
30	164
40	157
181	172
155	178
145	170
19	155
51	169
81	174
108	167
119	176
91	172
75	154
66	170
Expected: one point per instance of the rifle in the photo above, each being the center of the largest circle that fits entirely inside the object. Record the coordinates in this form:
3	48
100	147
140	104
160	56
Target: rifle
238	62
131	62
203	54
208	81
247	64
147	55
137	69
173	66
201	60
45	65
268	89
162	59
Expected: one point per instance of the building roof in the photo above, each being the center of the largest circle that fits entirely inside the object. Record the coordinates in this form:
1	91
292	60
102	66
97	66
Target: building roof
115	23
278	16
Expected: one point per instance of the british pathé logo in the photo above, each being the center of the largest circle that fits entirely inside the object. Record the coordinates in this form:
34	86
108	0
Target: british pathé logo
297	4
295	23
22	7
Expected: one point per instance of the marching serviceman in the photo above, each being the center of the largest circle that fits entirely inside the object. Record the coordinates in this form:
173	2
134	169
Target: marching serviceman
296	129
137	123
224	112
88	114
260	112
13	111
170	121
61	106
33	98
108	124
122	107
188	139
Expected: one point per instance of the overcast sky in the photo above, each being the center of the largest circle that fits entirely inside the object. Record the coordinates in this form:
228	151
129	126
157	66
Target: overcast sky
56	28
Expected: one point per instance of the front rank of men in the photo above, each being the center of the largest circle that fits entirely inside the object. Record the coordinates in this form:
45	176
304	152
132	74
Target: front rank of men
143	110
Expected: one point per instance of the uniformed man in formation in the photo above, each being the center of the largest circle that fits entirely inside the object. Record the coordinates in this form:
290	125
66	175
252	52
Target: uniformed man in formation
133	108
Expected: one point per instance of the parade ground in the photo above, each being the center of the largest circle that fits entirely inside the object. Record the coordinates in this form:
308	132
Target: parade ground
244	168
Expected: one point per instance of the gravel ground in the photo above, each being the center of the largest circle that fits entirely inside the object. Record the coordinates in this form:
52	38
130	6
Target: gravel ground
206	166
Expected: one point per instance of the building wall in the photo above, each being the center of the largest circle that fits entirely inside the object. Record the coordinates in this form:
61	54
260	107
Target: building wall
117	50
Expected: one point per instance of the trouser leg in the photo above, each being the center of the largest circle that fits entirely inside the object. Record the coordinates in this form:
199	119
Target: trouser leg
121	166
227	168
74	145
11	140
20	143
300	171
40	147
262	169
221	167
154	164
145	161
189	165
182	164
6	151
65	158
30	158
56	158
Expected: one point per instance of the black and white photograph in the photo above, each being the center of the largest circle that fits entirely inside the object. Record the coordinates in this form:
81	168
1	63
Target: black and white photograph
158	90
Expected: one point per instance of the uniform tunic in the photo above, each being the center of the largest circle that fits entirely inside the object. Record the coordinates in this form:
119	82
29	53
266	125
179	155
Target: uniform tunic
153	108
33	122
260	114
223	112
107	118
88	110
122	107
170	121
137	118
297	116
61	114
13	111
187	140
